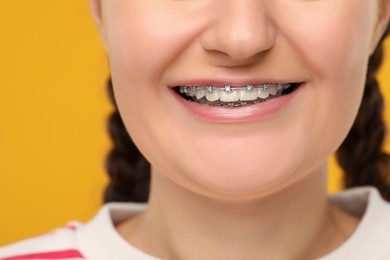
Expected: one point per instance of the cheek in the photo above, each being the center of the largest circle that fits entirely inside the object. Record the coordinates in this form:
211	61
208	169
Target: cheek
141	38
140	48
334	39
335	45
141	45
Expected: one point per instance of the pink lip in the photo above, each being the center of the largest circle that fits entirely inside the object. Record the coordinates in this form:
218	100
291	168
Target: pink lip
249	113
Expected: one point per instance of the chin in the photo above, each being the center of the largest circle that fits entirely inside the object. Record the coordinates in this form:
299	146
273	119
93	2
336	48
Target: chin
241	179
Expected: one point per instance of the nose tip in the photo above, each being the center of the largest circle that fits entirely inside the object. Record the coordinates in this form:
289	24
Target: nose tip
241	30
242	44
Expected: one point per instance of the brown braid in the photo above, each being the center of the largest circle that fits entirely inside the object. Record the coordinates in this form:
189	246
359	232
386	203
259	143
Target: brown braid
361	155
128	169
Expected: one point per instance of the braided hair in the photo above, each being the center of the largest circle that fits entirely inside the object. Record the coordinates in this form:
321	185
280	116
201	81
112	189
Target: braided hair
360	155
128	170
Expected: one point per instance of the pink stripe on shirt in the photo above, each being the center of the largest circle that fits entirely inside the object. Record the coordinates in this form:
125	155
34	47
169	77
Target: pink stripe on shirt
68	254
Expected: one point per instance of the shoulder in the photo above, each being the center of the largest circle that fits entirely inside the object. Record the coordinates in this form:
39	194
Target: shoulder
364	202
370	238
96	239
60	243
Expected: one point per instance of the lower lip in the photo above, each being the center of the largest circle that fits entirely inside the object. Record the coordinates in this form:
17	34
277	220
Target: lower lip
248	113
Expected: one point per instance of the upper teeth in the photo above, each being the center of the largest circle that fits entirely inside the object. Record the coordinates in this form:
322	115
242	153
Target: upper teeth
233	94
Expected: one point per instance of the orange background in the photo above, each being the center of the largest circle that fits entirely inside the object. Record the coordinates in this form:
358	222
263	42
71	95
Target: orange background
53	109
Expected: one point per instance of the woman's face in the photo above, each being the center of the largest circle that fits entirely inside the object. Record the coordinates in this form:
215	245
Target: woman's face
237	48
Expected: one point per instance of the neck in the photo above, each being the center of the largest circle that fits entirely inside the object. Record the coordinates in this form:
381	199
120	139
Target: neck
294	223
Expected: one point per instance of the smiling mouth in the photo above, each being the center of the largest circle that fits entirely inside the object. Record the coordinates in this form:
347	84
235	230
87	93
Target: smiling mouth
235	96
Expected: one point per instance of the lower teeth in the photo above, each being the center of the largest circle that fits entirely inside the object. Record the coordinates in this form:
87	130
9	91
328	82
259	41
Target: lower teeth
205	102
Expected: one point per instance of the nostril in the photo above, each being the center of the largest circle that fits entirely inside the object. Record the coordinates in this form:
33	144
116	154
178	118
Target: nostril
240	31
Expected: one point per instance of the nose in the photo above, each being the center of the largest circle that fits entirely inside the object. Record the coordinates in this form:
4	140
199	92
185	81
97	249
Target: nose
240	29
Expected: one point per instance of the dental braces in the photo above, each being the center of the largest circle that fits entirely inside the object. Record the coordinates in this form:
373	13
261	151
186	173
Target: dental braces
229	89
265	92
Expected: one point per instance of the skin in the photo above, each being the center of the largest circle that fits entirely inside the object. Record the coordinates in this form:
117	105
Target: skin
239	190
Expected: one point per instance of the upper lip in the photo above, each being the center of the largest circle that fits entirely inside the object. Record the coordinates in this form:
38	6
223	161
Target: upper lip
231	82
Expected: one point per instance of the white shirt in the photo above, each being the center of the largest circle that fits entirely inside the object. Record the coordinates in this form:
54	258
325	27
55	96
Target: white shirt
99	240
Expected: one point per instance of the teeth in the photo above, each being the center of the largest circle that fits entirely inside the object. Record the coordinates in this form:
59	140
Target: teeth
273	90
249	88
212	96
200	93
233	96
263	92
228	89
228	95
246	95
192	91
